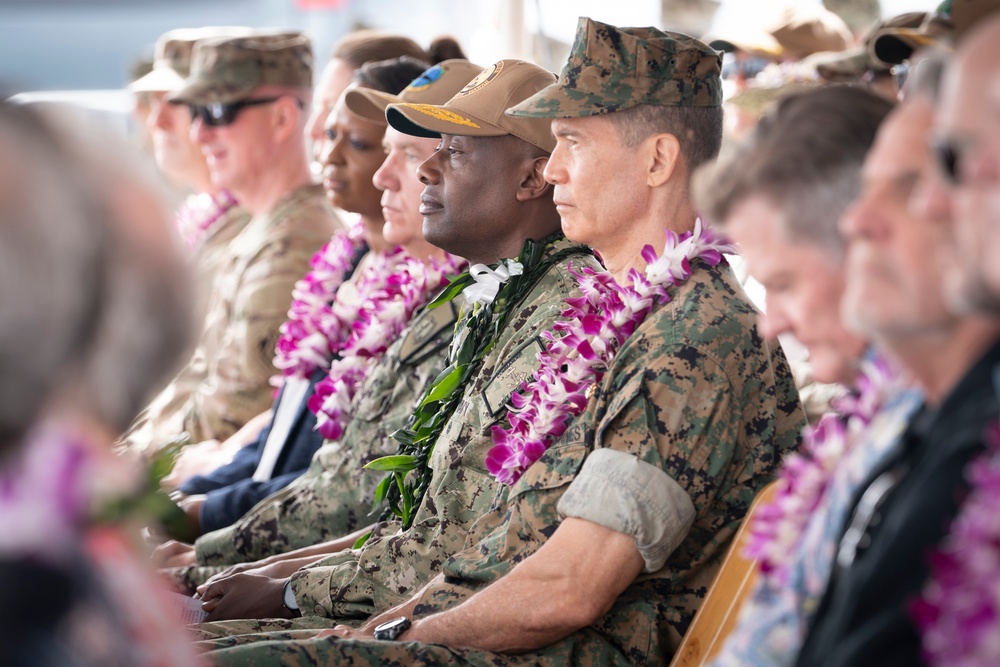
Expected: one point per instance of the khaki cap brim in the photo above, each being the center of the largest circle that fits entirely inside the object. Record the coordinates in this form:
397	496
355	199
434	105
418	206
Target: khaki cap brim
489	94
159	80
436	85
841	66
430	120
369	104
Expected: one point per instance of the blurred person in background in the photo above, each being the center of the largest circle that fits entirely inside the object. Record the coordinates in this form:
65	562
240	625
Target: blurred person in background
349	54
208	219
249	98
94	310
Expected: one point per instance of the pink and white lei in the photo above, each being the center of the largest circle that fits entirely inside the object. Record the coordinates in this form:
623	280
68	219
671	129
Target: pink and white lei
582	345
200	212
805	475
389	300
313	331
959	611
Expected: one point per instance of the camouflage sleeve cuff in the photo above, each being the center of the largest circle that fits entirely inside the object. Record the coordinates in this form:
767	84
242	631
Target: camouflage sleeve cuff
618	491
217	548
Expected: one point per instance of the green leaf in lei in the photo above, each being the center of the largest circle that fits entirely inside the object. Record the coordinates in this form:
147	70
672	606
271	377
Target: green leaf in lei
409	472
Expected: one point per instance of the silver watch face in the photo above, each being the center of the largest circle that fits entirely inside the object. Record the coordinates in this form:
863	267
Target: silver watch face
389	630
288	597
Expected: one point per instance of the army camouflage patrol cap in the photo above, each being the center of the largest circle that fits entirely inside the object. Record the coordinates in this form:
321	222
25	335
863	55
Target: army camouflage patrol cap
477	110
228	69
436	85
172	57
611	69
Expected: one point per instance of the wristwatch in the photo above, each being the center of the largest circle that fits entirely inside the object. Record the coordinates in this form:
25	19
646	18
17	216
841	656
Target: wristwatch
389	630
288	599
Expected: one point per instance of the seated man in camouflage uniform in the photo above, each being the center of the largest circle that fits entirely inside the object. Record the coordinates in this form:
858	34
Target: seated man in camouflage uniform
488	201
602	550
249	99
335	495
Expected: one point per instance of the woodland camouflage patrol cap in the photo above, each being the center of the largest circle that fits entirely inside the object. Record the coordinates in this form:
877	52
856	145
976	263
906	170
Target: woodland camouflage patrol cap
611	69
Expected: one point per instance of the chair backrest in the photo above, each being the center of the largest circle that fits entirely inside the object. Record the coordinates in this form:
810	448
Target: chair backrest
717	615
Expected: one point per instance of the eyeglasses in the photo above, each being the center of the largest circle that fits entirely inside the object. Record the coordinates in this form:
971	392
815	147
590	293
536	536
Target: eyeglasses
949	153
219	114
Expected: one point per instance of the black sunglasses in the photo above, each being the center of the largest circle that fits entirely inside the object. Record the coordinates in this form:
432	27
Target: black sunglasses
948	154
219	114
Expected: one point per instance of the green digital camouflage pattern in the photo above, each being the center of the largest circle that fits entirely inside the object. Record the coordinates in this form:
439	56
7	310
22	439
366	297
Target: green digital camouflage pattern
697	392
355	584
251	292
611	68
227	69
334	496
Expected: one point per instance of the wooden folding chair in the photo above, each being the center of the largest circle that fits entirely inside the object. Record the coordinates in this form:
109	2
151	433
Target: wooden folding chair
717	616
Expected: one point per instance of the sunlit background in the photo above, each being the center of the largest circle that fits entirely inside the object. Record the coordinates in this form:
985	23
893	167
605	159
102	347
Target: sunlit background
90	44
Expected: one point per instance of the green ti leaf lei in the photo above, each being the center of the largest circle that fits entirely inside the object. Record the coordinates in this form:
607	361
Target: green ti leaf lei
408	472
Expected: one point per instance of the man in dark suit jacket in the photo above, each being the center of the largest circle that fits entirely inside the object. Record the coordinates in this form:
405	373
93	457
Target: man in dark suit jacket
232	489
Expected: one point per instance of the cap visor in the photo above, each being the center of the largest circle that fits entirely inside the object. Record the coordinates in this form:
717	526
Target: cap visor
369	104
163	80
429	120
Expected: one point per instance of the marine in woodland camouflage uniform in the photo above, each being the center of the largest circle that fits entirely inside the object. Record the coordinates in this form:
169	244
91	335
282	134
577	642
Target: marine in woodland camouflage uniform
252	290
695	393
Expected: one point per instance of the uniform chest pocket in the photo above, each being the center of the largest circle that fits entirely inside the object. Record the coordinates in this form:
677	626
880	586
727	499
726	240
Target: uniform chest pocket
558	466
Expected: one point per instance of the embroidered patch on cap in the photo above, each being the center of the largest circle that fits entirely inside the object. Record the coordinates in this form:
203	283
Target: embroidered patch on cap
426	79
440	114
481	80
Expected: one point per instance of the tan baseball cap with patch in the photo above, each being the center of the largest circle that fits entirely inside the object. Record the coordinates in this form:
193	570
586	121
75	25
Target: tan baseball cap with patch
172	57
477	110
436	85
228	69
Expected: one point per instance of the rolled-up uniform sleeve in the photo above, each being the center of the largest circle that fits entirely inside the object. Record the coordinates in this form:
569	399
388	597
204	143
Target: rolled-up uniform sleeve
618	491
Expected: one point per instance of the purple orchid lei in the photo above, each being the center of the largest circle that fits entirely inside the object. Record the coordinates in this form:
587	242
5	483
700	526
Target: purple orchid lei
199	213
958	612
805	475
583	344
390	296
313	331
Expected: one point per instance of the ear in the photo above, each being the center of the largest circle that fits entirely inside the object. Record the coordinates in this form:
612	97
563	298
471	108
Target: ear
661	153
285	118
533	184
